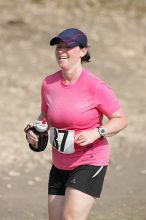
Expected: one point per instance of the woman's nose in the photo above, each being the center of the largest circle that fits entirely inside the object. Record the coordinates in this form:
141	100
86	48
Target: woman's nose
59	50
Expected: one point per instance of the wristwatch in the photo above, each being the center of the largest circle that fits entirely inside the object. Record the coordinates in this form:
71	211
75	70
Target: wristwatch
101	131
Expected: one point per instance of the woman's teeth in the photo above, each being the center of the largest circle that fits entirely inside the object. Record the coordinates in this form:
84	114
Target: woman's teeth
63	58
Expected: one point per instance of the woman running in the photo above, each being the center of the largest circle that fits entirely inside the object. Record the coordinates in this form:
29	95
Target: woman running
74	101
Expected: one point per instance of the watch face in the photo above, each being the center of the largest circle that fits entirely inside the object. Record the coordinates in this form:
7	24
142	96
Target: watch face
102	132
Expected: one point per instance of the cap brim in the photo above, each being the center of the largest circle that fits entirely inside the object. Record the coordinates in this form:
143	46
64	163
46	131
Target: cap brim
54	41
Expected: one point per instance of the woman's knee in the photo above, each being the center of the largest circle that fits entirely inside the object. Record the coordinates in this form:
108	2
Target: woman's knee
69	216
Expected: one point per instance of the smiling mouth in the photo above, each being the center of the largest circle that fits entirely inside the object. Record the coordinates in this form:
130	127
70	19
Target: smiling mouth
63	58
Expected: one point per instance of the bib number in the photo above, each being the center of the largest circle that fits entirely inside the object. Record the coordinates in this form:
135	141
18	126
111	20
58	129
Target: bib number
62	140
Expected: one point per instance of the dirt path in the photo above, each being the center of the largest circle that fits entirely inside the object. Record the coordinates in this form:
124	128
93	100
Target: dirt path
118	49
24	191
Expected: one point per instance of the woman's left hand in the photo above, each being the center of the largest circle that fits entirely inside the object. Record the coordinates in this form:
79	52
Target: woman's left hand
87	137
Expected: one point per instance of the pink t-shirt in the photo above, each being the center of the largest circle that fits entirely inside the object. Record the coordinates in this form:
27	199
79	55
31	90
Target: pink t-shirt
77	107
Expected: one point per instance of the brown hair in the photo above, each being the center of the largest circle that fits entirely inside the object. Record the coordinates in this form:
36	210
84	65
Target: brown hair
86	58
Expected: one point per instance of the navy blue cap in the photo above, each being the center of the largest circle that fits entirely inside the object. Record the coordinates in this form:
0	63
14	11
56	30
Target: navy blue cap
72	37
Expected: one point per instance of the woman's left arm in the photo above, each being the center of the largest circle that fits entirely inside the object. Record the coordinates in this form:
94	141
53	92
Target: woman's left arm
117	121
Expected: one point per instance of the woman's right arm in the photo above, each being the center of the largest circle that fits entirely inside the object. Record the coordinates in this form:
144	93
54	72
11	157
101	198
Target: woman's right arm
32	138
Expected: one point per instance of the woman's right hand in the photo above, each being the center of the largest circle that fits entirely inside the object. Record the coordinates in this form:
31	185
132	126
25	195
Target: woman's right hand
32	138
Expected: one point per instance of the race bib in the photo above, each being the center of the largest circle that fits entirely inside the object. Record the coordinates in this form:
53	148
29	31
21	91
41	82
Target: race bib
62	140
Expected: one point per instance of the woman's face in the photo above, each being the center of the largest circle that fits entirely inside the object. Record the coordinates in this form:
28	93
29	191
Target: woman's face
68	57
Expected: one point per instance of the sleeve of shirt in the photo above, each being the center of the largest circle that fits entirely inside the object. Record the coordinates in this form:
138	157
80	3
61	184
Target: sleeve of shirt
106	100
43	100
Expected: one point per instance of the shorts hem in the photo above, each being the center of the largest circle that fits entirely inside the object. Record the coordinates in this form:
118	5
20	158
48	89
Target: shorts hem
83	191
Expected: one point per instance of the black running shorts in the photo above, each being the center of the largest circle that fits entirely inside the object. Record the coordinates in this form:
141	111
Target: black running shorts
86	178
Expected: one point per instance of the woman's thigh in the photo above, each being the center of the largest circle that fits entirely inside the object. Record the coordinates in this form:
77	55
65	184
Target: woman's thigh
55	207
77	204
72	193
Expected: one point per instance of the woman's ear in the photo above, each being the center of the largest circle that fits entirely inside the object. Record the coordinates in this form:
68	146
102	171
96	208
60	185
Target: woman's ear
83	52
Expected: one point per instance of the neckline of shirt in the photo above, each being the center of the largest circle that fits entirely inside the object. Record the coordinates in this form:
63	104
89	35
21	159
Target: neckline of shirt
74	83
